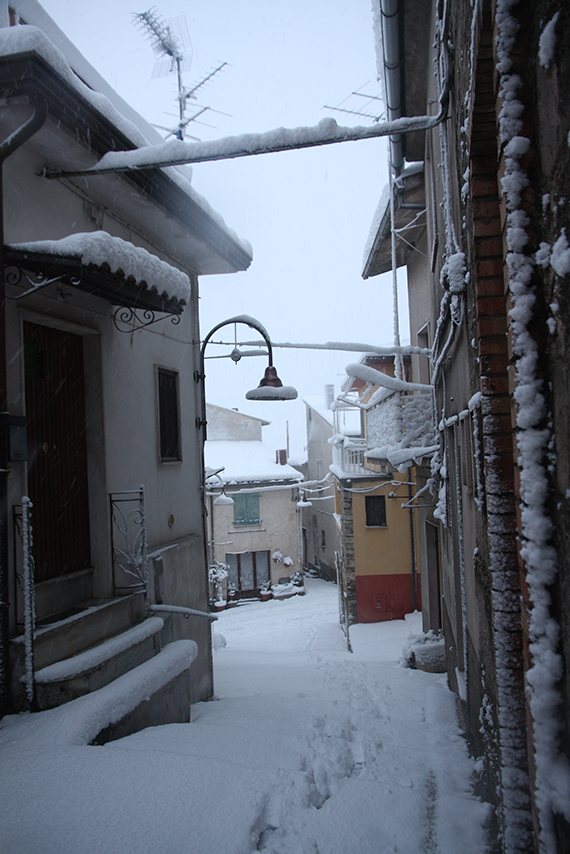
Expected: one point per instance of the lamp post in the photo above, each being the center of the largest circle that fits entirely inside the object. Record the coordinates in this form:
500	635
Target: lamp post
270	387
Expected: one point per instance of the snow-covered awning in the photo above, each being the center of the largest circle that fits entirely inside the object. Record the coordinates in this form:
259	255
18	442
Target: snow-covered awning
106	266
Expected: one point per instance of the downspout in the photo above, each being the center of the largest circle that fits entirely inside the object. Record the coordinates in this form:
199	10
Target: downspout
393	88
390	17
8	147
413	542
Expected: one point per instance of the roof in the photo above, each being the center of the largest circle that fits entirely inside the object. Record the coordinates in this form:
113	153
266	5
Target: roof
409	203
92	124
236	412
247	462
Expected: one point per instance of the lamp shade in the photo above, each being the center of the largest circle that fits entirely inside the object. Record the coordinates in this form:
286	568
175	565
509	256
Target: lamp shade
223	499
271	388
284	392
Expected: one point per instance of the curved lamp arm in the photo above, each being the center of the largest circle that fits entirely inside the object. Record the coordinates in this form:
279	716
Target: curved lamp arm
247	321
278	392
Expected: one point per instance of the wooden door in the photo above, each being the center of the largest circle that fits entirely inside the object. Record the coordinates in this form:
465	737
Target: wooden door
57	450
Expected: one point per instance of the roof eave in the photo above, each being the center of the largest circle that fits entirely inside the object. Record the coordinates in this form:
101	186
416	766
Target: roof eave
27	74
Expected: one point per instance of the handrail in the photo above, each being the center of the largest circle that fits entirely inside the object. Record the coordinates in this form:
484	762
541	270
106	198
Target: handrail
179	609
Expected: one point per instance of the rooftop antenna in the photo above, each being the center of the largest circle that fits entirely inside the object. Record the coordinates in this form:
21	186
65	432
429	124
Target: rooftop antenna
171	45
376	117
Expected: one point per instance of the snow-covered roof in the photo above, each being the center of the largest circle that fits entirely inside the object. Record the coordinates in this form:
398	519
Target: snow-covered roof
101	249
41	37
247	462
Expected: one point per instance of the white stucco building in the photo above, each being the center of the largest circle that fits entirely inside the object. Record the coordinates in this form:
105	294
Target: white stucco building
258	536
102	343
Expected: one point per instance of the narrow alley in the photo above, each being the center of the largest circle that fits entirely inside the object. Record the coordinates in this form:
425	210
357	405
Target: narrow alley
306	748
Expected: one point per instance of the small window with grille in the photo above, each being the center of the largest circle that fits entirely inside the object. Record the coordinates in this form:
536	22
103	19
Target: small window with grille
375	511
168	416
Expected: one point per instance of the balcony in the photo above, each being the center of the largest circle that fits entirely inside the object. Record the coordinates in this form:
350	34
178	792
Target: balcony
401	429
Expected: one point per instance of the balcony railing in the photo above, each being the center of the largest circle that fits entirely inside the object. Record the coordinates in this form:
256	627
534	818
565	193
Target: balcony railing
348	455
399	423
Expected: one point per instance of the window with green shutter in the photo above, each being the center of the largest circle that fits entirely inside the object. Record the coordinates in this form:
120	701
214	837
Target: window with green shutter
246	509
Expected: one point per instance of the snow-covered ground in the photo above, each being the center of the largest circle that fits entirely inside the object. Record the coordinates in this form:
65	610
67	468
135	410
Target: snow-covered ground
308	749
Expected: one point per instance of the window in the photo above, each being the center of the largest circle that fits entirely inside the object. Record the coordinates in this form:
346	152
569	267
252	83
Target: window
375	511
246	509
168	415
323	540
247	571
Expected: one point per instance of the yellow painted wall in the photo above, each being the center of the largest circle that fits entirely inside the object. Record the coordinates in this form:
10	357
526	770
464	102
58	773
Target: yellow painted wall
382	551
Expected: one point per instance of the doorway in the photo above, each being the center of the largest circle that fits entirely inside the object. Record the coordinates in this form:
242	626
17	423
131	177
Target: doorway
57	450
248	571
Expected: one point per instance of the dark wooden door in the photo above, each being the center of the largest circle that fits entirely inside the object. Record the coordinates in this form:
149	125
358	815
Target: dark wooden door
57	451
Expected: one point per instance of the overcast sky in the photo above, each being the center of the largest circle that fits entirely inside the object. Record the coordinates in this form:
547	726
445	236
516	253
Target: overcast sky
306	213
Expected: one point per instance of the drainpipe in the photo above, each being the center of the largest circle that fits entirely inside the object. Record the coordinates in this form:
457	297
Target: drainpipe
10	144
393	88
413	543
390	17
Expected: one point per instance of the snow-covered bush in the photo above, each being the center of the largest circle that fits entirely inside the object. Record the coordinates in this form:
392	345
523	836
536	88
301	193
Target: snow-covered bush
217	574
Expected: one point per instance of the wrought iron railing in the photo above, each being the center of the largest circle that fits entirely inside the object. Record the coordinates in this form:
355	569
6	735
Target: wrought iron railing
129	543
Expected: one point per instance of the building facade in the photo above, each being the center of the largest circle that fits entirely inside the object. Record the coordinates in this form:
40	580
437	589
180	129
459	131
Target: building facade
101	333
320	530
482	198
257	534
374	485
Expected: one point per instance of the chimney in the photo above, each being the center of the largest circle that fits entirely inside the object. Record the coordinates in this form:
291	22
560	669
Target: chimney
281	457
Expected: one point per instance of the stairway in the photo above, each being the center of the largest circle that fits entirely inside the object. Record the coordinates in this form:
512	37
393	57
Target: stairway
110	654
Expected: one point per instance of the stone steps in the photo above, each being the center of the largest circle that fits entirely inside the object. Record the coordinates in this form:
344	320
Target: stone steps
63	639
96	667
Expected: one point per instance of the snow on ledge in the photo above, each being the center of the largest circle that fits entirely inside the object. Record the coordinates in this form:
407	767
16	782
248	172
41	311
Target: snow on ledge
96	656
378	378
80	721
99	247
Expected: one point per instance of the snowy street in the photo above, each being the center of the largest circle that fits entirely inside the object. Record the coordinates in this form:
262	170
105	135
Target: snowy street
306	750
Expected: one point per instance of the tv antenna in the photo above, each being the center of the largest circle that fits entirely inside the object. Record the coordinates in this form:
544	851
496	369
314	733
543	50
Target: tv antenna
369	105
171	45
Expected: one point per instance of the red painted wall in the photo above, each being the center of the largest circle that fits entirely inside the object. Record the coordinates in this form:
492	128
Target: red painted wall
385	597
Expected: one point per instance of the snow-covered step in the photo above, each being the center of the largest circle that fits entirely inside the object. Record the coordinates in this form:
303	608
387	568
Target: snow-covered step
154	693
94	668
84	629
68	637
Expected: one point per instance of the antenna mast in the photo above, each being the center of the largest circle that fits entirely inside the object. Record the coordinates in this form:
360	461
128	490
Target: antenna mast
171	45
